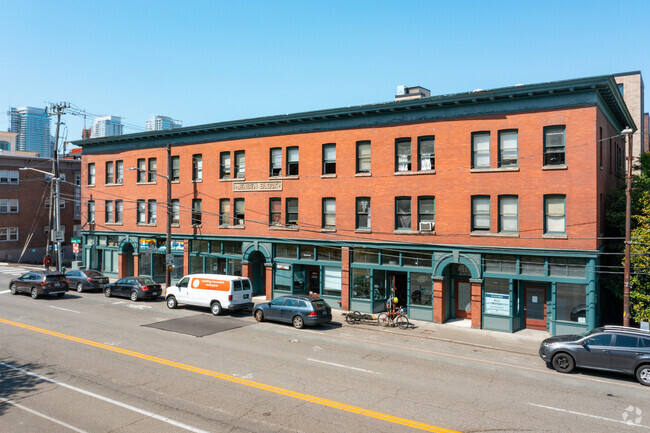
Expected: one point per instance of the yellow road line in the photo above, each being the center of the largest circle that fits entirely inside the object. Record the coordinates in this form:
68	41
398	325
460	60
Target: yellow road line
246	382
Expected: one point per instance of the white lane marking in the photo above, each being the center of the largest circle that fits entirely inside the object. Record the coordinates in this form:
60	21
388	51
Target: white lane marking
108	400
5	291
49	418
342	366
590	416
139	307
65	309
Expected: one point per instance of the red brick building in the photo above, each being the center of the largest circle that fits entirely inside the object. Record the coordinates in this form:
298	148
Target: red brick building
486	206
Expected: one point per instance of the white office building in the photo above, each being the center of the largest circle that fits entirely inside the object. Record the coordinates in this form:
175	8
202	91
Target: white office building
157	123
107	126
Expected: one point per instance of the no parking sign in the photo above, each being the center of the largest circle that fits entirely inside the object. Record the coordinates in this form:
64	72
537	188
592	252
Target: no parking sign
75	248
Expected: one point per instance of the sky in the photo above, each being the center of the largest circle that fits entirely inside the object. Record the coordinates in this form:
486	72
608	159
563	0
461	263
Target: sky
212	61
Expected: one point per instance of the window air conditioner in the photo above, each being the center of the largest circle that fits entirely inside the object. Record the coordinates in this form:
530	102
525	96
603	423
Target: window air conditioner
427	226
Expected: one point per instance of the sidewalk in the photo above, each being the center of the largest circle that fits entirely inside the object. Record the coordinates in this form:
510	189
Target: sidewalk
526	341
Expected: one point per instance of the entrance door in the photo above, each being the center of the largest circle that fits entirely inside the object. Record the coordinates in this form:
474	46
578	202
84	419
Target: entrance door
257	272
535	307
463	299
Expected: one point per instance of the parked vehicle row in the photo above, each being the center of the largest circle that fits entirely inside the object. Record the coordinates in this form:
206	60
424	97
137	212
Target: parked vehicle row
39	283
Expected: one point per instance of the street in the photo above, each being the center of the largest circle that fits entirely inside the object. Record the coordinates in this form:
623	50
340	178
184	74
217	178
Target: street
87	363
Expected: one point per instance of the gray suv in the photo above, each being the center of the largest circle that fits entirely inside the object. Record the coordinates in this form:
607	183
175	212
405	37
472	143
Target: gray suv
611	348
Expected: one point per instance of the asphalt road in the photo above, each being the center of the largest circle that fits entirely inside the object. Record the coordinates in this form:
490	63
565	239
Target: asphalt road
87	363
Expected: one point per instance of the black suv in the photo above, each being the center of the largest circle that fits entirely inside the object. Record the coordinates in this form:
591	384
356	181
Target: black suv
610	348
38	283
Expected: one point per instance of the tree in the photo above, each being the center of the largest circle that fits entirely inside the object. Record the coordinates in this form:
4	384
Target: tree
640	262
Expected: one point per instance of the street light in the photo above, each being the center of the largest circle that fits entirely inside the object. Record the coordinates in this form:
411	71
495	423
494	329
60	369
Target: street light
628	214
168	247
57	214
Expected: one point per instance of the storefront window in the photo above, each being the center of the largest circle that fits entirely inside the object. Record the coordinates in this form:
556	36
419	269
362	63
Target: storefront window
365	255
500	264
215	265
331	281
307	252
199	246
286	251
566	267
112	241
102	241
390	257
215	247
532	265
497	296
145	264
417	258
283	279
235	267
329	254
421	289
379	288
570	302
178	273
360	283
196	264
232	248
91	240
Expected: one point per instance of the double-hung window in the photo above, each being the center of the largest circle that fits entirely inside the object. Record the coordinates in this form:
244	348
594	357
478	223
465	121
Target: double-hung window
292	161
240	164
176	168
481	213
426	153
427	210
554	145
152	212
276	162
329	213
224	212
275	211
142	170
176	211
329	158
142	212
8	234
196	212
239	217
403	154
11	176
292	211
119	210
224	172
555	214
109	172
91	173
363	157
119	172
197	168
9	205
403	213
363	213
153	169
480	150
508	214
91	211
108	214
508	144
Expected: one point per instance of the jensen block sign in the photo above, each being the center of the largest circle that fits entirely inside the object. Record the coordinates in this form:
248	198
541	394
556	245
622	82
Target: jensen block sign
275	185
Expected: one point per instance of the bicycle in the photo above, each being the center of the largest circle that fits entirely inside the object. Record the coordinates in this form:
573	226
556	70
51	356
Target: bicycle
395	318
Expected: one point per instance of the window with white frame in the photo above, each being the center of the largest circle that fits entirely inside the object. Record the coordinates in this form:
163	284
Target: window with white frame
176	211
142	170
240	164
119	210
109	172
142	212
91	173
363	213
363	156
108	214
480	150
119	172
224	212
276	162
329	213
152	212
197	167
554	145
426	153
224	171
481	213
9	205
555	214
8	234
329	158
403	154
508	148
9	177
292	161
153	169
508	213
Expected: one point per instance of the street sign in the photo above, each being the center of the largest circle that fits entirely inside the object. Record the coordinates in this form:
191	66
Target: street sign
170	268
169	259
75	240
58	235
75	248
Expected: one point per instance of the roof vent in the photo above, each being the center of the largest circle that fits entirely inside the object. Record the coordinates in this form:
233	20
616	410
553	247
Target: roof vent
416	92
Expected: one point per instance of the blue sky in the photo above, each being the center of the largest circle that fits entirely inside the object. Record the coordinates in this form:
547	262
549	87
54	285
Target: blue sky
212	61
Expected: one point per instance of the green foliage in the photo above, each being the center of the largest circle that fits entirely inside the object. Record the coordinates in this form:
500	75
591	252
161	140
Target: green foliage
640	261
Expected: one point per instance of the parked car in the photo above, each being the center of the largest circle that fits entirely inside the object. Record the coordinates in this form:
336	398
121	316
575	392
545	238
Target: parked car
38	283
610	348
140	287
86	279
219	292
296	309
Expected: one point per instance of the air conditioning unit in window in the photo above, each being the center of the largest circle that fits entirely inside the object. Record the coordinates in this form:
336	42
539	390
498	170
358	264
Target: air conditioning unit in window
427	226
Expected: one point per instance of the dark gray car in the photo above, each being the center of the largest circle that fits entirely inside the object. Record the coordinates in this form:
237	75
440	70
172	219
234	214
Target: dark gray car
38	283
86	279
610	348
296	309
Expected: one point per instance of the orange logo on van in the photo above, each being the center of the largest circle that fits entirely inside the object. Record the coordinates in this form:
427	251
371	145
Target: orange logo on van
210	284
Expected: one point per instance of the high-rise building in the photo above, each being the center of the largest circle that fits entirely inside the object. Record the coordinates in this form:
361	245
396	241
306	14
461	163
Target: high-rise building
157	123
630	84
107	126
33	128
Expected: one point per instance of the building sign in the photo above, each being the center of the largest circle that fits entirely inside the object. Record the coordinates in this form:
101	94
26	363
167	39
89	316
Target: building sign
274	185
178	246
147	244
283	266
497	303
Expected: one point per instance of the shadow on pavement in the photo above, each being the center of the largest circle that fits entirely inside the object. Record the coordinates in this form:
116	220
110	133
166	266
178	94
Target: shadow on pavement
15	383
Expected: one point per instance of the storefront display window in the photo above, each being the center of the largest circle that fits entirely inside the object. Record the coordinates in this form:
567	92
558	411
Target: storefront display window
196	265
235	267
178	273
421	289
417	259
570	302
112	241
145	264
379	287
566	267
283	279
331	281
500	264
286	251
497	296
232	248
532	265
365	255
329	254
215	247
360	283
390	257
198	246
307	252
102	241
215	265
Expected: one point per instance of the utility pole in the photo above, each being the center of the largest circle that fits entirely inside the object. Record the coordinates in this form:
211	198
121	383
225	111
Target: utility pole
58	110
628	215
168	248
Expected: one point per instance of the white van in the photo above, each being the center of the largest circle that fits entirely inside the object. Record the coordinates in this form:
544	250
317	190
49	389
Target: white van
219	292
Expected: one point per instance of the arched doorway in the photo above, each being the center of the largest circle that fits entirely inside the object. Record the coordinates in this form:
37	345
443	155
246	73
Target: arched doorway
257	272
127	260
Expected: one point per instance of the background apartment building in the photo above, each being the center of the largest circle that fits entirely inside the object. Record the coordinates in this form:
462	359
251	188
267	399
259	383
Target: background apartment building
33	128
107	126
159	123
485	206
